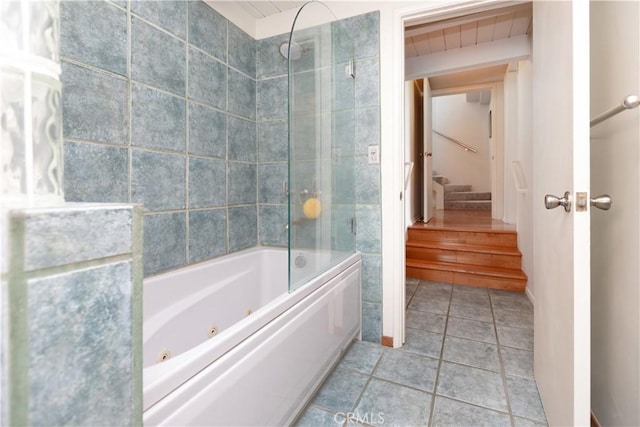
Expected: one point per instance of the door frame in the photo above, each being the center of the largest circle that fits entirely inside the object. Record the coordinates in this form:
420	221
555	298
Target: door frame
393	251
392	179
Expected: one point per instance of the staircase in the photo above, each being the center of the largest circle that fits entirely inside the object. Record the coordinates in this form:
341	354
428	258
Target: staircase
461	197
466	256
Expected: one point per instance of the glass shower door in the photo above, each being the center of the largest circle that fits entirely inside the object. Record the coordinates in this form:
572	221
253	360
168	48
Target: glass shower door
321	146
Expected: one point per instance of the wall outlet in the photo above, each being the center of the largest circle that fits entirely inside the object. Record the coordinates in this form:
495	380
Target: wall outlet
374	154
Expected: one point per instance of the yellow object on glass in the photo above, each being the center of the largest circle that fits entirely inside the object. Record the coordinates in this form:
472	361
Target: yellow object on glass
312	208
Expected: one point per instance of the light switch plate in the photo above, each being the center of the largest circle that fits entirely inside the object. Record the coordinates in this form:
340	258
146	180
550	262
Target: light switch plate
374	154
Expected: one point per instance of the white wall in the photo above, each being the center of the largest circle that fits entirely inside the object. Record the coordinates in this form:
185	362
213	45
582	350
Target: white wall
468	123
524	157
511	127
615	234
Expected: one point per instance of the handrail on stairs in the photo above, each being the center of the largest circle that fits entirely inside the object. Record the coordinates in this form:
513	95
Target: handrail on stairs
462	144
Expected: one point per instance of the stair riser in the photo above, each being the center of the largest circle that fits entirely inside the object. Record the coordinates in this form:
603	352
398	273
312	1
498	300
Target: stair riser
468	237
455	187
454	195
463	257
468	205
468	279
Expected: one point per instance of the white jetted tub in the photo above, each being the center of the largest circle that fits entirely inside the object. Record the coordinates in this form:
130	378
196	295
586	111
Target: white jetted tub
225	343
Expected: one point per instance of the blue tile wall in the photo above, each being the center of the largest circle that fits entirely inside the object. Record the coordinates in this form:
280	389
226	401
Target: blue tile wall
87	349
96	173
343	133
158	120
207	182
243	227
55	237
207	131
371	276
242	51
207	234
369	228
367	129
269	62
242	139
272	99
273	141
164	242
367	181
169	15
157	180
242	95
157	58
207	79
273	219
368	83
365	30
75	272
207	30
94	105
102	44
270	188
371	322
162	131
194	142
242	183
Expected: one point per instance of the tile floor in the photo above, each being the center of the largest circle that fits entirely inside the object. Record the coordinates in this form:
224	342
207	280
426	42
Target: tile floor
467	361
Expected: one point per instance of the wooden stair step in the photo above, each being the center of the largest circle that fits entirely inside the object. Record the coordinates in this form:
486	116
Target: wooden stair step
494	256
469	268
453	235
467	274
465	247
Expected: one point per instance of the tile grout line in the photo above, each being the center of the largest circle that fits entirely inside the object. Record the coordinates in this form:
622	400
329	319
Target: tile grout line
187	159
130	106
370	375
440	360
503	373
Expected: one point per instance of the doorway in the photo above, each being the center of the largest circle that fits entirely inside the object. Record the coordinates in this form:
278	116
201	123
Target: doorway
553	19
465	171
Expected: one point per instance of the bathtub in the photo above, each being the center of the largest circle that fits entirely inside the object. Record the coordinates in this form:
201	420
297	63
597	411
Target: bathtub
225	343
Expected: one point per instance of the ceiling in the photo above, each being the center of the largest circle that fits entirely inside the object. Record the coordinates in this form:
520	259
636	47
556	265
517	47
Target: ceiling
422	39
449	36
470	77
263	8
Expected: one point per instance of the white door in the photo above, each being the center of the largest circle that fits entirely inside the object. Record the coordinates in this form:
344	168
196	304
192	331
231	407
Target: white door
561	239
428	198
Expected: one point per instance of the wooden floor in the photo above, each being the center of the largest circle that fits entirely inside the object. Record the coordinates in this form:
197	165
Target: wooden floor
465	220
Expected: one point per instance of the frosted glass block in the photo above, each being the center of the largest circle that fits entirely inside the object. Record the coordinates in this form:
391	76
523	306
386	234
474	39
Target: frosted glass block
30	107
12	147
45	31
11	25
47	135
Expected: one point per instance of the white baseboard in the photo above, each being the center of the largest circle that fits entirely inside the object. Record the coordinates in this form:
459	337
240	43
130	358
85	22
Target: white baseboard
530	296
